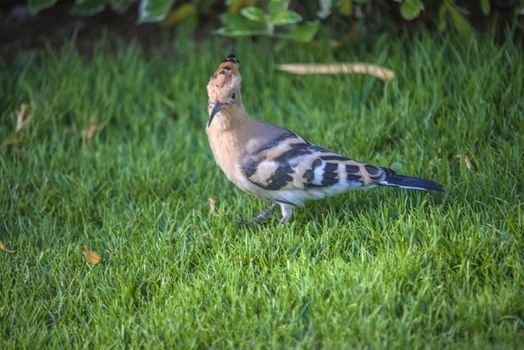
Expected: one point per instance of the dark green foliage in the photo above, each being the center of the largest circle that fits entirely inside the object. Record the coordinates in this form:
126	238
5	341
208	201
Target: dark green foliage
154	10
410	9
299	21
37	5
255	21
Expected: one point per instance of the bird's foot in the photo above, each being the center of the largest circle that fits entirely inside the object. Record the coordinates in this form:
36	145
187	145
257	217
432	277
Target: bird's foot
287	211
259	218
264	214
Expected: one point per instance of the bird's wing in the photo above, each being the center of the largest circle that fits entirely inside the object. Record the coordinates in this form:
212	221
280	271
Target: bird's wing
288	162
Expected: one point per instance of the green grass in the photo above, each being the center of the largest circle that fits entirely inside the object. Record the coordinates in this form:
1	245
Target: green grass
384	268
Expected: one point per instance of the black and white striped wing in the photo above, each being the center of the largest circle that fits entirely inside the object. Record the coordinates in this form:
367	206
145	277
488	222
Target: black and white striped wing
291	163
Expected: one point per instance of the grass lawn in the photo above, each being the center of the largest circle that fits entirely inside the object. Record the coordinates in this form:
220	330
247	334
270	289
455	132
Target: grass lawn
115	158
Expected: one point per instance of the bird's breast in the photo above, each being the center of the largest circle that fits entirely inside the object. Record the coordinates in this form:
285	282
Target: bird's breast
227	151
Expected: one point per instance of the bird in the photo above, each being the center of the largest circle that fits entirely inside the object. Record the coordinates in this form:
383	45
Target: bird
276	164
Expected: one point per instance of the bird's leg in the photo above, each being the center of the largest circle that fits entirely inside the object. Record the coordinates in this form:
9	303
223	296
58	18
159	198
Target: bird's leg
264	214
287	211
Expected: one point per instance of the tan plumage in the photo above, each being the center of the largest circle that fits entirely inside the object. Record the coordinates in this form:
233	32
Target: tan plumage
276	164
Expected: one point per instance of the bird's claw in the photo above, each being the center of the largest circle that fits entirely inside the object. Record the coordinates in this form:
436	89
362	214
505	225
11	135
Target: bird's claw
257	219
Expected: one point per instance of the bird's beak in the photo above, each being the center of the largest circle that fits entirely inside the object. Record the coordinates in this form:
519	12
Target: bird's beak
216	108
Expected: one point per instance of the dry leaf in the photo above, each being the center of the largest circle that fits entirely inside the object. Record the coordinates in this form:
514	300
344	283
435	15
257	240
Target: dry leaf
21	120
335	44
212	205
91	129
178	15
465	159
339	68
467	162
4	248
14	139
91	257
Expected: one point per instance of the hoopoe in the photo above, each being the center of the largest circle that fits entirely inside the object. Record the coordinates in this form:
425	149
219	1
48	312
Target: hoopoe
276	164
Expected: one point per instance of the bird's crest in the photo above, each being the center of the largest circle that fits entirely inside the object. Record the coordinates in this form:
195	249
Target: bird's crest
226	72
232	58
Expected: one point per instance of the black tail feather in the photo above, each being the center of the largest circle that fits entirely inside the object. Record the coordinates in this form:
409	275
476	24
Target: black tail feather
412	183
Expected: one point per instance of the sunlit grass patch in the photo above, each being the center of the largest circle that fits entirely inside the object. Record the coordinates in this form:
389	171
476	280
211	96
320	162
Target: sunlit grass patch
115	158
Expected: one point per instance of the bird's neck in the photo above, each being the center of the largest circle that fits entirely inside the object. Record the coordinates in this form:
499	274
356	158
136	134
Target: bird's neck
228	134
230	119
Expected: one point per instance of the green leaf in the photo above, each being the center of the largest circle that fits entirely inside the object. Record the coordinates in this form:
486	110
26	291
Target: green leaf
179	14
461	24
88	7
485	6
277	6
254	13
442	13
232	5
37	5
153	10
303	33
345	8
286	17
234	20
324	8
232	32
410	9
120	6
238	25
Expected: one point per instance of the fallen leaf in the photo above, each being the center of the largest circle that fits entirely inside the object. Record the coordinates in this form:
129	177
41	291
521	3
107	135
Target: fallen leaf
91	129
14	139
339	68
465	158
91	257
467	162
212	205
4	248
21	120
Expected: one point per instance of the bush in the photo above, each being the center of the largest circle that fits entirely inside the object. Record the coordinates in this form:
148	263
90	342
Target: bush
300	20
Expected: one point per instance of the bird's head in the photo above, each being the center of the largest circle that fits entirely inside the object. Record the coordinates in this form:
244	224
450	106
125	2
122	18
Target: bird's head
223	89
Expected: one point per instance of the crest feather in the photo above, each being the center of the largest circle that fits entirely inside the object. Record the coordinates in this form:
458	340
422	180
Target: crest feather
226	71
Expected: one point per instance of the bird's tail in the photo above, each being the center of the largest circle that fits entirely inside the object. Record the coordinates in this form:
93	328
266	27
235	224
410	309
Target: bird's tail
409	182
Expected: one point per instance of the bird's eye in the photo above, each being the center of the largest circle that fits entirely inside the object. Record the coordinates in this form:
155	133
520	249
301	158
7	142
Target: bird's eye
233	95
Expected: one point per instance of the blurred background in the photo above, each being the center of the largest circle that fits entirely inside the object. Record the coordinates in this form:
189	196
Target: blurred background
27	25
